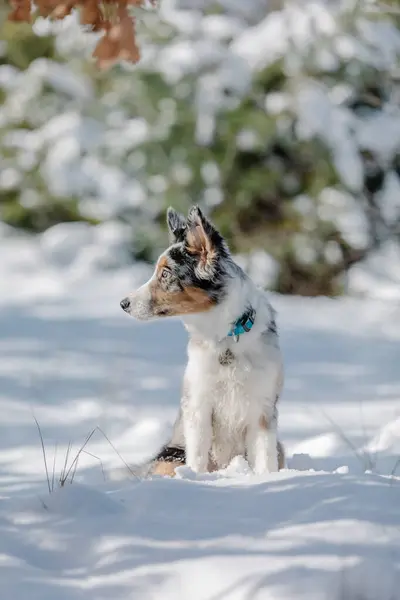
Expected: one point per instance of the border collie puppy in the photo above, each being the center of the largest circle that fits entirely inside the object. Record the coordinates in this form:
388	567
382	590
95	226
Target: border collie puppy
234	374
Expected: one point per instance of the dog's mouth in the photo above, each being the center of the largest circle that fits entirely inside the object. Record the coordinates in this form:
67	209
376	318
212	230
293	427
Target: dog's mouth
144	311
162	312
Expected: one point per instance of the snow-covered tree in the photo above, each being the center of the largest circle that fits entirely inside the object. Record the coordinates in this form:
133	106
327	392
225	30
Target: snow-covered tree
281	118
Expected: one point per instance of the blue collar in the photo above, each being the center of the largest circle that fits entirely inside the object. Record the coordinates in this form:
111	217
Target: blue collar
243	324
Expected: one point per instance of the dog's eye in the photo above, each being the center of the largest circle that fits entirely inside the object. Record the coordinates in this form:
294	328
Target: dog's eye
166	274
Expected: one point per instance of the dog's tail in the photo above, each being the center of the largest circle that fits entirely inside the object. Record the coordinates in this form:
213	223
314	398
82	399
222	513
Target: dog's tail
167	460
164	463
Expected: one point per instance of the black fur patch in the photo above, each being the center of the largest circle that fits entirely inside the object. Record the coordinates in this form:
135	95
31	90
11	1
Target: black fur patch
177	225
177	254
171	454
184	269
272	327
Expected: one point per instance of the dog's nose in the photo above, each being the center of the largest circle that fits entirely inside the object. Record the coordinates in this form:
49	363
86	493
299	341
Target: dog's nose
125	303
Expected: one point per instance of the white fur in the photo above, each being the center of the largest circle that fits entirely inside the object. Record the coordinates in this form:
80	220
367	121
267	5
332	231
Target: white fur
222	405
224	408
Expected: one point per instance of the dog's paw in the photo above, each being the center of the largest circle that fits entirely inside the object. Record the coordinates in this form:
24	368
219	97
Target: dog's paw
198	464
272	464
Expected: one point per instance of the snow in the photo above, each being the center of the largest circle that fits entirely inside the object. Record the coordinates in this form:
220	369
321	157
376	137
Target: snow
326	527
263	44
379	274
133	545
347	214
380	133
319	117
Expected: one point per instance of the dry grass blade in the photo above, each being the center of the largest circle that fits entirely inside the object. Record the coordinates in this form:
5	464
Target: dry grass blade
395	467
54	467
371	458
100	461
44	453
73	464
117	453
340	432
68	471
64	469
74	471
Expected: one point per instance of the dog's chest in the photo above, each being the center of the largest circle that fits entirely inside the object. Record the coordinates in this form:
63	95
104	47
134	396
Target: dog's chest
234	385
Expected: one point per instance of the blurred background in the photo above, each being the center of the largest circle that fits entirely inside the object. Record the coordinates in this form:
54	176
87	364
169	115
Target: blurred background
280	118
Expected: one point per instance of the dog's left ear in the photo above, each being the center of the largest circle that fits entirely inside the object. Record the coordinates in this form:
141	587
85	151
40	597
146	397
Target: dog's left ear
203	240
176	225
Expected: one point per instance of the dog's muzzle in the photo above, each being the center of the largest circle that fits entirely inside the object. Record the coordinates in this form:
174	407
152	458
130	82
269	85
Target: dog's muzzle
139	304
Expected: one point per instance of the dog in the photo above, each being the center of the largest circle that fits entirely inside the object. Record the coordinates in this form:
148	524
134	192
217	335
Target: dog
234	374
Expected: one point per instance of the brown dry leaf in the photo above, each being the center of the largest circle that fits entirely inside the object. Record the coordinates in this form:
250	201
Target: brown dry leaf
91	14
107	50
46	7
114	33
19	15
63	9
119	40
21	12
128	50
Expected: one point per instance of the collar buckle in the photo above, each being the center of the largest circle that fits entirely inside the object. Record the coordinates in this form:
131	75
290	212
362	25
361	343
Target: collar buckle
247	321
243	324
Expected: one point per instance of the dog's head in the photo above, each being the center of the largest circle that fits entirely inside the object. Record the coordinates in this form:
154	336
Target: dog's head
190	276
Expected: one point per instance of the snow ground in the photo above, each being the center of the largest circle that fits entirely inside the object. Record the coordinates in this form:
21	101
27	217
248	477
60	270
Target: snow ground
324	528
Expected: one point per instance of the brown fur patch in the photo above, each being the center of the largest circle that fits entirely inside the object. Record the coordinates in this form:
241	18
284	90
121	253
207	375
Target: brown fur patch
263	422
212	466
165	468
199	243
188	301
162	263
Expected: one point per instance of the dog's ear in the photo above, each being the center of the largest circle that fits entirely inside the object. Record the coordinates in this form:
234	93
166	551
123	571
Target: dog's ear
176	225
202	240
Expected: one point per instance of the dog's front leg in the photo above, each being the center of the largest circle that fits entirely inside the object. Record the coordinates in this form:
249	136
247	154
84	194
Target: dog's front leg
198	436
261	445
